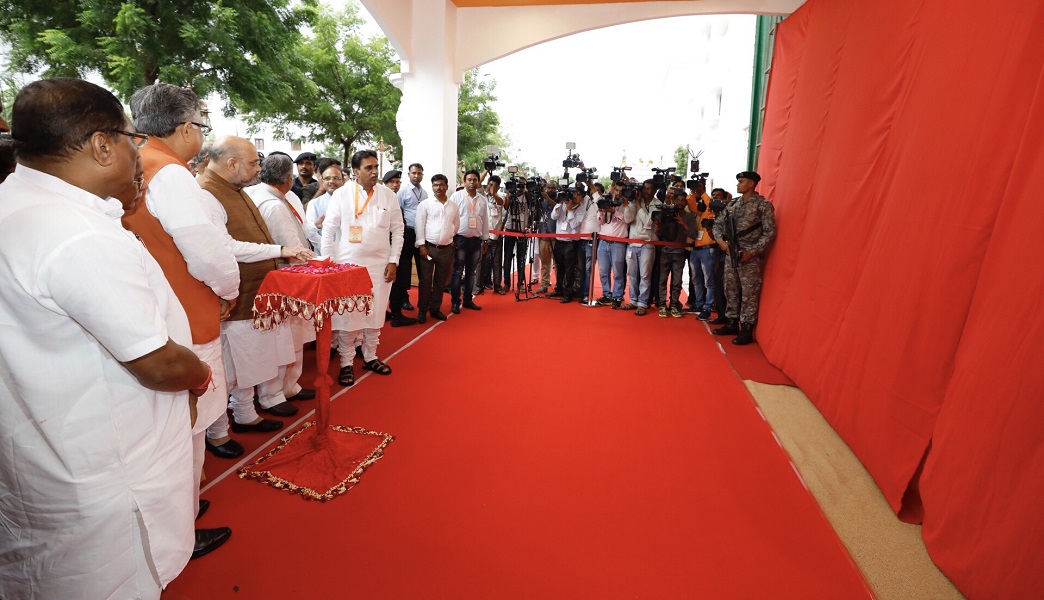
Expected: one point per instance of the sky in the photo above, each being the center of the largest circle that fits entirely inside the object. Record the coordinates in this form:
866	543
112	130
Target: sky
564	91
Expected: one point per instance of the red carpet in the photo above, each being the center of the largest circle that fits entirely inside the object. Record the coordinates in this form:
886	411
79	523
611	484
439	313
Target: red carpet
541	451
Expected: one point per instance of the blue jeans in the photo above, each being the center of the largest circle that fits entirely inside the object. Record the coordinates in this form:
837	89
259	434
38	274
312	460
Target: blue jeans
465	267
702	261
612	262
639	270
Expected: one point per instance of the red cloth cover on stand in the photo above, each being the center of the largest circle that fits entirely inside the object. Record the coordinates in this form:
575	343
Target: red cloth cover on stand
318	461
902	144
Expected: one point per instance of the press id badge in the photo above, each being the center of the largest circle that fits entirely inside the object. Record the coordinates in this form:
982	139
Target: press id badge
472	222
355	234
699	236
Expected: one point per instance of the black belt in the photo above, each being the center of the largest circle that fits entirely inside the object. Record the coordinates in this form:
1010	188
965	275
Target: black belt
707	247
438	246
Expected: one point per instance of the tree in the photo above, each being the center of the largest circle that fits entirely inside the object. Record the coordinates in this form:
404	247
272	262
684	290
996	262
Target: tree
240	49
478	125
681	160
344	96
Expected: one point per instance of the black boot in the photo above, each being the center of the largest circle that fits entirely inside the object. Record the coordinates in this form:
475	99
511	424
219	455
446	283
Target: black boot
730	328
746	334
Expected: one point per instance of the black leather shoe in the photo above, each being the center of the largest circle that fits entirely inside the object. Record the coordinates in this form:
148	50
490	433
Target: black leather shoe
407	306
283	409
438	314
203	506
746	335
719	320
472	306
422	318
565	300
208	540
400	320
455	309
731	328
262	426
554	294
230	449
303	395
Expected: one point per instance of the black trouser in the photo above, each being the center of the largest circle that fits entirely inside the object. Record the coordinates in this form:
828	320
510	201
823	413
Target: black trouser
672	263
491	261
568	268
433	277
654	280
465	263
515	247
404	273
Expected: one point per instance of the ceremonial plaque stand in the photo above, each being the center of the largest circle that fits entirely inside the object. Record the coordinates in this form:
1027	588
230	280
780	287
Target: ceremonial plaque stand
319	461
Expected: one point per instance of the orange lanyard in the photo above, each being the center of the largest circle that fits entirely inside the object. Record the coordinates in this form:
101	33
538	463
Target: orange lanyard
293	210
471	205
367	203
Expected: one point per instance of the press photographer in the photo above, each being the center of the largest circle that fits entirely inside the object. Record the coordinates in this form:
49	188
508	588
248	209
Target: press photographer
545	203
612	256
641	257
568	214
674	223
516	219
704	259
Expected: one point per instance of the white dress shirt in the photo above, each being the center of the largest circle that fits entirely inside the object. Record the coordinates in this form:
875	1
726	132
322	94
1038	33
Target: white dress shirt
567	221
282	223
315	209
85	445
437	222
589	208
472	207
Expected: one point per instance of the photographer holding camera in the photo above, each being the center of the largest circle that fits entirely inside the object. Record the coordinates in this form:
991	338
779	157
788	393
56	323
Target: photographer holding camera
546	203
589	226
612	256
516	218
490	274
674	223
640	257
744	230
569	216
703	260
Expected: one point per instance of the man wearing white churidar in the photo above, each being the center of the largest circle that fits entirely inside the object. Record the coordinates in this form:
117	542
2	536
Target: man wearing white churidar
360	220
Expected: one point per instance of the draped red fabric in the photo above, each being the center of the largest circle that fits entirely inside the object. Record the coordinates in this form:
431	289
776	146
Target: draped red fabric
900	146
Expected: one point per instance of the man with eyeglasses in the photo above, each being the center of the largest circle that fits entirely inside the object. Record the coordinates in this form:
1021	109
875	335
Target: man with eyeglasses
96	485
254	358
315	211
190	247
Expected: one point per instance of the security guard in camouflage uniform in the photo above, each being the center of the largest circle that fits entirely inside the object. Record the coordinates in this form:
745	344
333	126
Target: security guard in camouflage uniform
754	219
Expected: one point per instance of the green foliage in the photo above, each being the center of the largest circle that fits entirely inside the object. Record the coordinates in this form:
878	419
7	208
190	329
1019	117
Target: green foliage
342	95
681	160
238	48
478	125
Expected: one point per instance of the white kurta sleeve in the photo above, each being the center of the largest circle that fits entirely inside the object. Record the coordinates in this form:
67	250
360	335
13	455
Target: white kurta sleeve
176	200
332	223
421	224
398	229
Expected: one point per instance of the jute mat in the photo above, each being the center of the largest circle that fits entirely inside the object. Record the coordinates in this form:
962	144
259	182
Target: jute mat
889	553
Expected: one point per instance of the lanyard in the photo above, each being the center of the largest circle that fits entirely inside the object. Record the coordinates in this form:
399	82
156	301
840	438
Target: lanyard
471	205
367	203
294	210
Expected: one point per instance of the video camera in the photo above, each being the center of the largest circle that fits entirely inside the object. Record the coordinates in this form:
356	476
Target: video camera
586	175
695	177
572	159
666	212
660	176
513	183
492	161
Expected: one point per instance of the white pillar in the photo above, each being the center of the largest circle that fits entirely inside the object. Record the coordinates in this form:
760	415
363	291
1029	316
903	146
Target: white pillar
427	117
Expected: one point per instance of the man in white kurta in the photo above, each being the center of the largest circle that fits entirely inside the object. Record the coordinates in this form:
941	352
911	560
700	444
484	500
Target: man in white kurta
96	482
284	223
361	219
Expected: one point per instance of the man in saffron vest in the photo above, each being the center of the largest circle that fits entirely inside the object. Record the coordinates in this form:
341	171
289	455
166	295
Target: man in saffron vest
252	357
192	252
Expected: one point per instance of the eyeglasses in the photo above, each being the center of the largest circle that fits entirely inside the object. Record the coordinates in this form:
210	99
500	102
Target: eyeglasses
333	178
138	139
139	183
203	127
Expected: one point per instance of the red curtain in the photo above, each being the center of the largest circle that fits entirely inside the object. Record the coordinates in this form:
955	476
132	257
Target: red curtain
901	142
